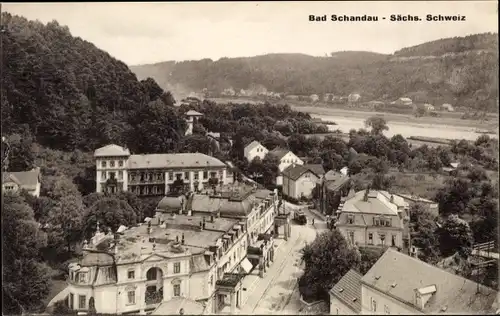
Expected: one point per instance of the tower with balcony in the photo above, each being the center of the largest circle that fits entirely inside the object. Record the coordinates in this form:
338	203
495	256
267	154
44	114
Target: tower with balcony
192	118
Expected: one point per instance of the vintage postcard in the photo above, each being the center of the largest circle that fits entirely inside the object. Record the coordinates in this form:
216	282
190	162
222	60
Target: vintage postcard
272	158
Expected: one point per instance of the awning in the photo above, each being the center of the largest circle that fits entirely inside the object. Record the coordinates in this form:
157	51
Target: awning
246	265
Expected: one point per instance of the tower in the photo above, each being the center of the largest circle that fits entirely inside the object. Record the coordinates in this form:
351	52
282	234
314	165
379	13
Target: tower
191	118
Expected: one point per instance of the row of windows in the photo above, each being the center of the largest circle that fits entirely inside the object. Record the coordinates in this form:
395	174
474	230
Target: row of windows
112	163
370	238
143	176
387	311
112	175
260	150
289	161
145	190
82	301
377	221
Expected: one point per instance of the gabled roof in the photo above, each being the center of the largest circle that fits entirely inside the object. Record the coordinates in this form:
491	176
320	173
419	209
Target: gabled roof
193	113
252	145
279	152
400	275
348	290
334	180
316	169
111	150
294	172
25	179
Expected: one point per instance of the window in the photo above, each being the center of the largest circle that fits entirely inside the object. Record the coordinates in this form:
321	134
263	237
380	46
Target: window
386	310
120	175
393	240
374	305
131	297
376	221
103	175
146	190
205	174
155	190
9	187
213	174
159	176
351	236
120	163
82	277
112	163
82	301
170	176
131	274
109	273
103	164
177	290
112	175
196	175
212	280
71	300
382	239
370	238
177	267
186	175
350	219
388	222
235	256
151	274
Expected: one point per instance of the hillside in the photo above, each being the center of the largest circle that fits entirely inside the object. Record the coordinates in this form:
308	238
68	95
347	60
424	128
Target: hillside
64	91
461	71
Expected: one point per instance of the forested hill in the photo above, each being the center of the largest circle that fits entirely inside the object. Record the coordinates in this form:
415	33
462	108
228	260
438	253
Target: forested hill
462	71
65	92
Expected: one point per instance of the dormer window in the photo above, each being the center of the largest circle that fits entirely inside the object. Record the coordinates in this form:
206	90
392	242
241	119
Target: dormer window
350	219
103	164
82	277
112	163
376	221
120	163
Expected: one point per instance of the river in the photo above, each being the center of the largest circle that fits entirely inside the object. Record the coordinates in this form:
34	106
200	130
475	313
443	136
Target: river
406	129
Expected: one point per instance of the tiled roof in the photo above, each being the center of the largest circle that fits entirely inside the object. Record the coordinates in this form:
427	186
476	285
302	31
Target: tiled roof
193	113
174	305
316	169
111	150
348	290
185	160
26	179
294	171
252	145
399	275
168	203
377	203
279	152
335	180
96	259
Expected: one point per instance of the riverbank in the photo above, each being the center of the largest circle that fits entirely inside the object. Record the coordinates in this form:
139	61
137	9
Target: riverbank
396	117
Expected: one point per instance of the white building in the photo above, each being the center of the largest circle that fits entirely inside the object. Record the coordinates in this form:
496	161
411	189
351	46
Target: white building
285	158
300	180
155	174
254	149
24	180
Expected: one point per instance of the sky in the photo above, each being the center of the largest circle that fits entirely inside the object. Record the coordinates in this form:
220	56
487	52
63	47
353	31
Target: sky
143	33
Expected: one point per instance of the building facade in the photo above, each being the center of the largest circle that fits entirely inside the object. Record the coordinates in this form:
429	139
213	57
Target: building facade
155	174
255	149
373	218
286	158
331	189
24	180
398	284
299	181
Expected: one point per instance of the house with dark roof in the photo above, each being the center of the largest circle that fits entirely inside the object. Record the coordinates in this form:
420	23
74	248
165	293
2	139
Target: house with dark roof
345	295
285	158
400	284
255	149
23	180
300	180
156	174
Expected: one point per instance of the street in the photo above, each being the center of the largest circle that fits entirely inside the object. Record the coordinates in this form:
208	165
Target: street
278	293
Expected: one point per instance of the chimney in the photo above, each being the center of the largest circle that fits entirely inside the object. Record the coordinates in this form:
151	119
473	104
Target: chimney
367	191
211	218
218	214
182	240
177	239
190	213
201	225
392	198
204	222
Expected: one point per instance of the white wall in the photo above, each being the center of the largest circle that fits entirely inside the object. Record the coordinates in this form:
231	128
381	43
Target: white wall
337	307
288	159
385	304
258	151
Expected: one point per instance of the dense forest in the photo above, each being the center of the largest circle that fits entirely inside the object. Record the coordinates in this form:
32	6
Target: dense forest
461	71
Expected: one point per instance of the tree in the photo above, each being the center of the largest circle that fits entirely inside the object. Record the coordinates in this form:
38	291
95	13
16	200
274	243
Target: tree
25	281
57	187
377	124
111	212
424	234
65	219
326	260
368	258
455	235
